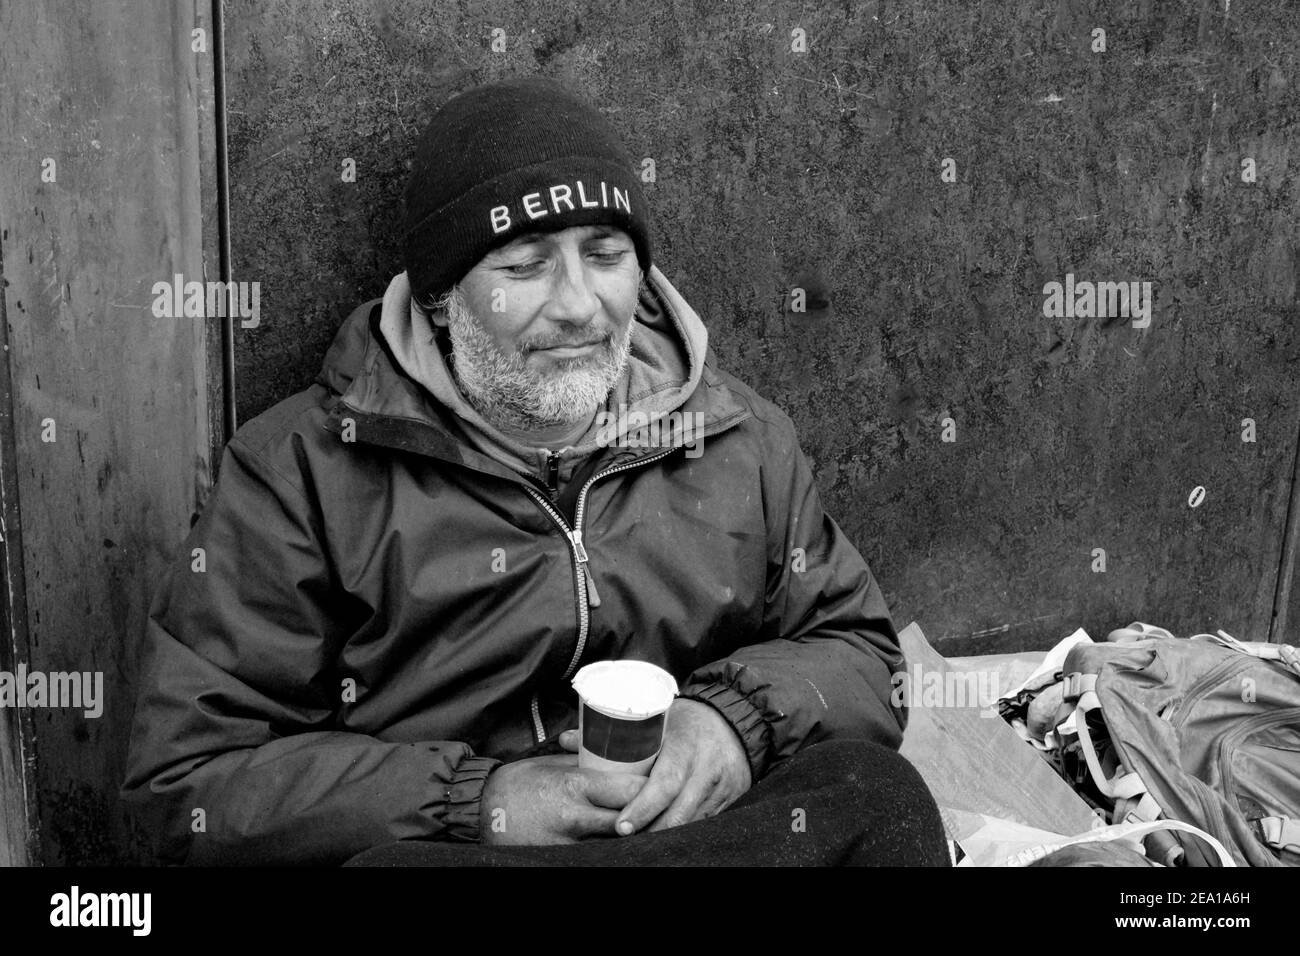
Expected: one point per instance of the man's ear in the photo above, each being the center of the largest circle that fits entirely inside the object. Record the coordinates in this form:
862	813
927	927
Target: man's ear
437	316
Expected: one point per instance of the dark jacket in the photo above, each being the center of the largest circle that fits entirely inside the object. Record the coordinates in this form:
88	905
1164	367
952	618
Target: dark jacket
372	611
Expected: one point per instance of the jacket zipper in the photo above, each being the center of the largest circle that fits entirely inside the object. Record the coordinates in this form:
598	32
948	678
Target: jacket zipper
584	584
553	473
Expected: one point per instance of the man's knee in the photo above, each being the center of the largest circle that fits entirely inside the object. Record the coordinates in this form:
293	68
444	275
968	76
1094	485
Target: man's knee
866	777
864	798
856	763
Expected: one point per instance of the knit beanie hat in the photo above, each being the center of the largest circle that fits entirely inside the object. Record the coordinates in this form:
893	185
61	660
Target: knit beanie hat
512	157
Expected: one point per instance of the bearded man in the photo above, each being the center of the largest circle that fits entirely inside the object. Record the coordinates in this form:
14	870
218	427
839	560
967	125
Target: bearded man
405	564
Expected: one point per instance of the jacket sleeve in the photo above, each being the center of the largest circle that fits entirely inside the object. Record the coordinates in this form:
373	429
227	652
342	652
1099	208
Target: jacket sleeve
823	665
233	756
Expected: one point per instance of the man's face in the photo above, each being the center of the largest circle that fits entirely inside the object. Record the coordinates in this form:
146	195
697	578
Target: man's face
542	328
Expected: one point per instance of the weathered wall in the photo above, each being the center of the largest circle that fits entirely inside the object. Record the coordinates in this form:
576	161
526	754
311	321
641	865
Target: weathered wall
109	415
779	169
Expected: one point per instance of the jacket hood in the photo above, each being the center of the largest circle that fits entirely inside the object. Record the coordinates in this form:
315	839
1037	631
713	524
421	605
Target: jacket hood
392	368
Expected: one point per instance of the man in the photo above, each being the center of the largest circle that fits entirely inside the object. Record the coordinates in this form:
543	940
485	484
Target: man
523	459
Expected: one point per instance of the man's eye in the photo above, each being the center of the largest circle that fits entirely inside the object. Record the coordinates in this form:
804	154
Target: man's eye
611	257
521	268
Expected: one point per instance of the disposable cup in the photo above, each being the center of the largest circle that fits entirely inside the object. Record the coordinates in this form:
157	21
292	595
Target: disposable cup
622	706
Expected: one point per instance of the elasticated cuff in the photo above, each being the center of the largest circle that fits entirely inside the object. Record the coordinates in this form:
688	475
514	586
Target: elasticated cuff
747	720
464	797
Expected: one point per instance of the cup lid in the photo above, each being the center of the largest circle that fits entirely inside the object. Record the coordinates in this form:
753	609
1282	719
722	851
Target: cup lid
635	688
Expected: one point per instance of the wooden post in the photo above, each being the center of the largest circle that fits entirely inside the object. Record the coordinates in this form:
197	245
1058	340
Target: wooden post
19	833
106	128
1286	571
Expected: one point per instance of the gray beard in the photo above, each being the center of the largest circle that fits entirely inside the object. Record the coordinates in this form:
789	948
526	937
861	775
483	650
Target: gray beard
506	391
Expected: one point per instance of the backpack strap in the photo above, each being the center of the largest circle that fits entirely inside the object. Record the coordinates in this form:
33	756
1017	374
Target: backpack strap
1082	687
1137	809
1285	654
1133	802
1281	833
1130	833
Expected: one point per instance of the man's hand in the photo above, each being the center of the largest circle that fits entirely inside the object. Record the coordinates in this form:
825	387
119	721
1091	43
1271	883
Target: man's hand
549	800
701	770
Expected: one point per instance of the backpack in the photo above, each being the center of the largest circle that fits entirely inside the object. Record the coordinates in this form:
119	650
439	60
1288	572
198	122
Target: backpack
1206	731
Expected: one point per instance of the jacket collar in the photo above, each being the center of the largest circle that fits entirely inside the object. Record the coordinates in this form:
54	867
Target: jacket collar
404	398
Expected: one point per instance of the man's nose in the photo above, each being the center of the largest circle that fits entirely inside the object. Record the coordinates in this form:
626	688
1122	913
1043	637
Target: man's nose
572	298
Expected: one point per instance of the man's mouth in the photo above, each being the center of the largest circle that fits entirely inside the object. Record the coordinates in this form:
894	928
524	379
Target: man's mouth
571	350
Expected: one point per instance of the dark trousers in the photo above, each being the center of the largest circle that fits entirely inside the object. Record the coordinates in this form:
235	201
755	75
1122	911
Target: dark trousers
836	803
